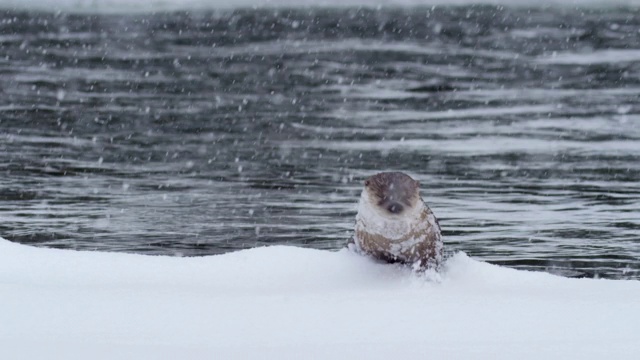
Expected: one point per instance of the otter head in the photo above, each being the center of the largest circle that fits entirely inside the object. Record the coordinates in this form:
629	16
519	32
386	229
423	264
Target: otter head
392	194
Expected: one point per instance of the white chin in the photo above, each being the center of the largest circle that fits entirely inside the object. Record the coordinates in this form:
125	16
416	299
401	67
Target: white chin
379	221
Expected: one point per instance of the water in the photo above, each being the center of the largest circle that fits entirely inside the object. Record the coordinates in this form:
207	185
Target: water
199	133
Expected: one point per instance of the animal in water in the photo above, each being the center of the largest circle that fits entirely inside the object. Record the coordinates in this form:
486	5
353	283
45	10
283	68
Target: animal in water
395	225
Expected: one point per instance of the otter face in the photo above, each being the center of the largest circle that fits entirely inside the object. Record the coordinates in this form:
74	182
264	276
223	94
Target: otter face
392	193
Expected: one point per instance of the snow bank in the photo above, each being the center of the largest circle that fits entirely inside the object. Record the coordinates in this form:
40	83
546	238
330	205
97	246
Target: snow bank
127	6
286	302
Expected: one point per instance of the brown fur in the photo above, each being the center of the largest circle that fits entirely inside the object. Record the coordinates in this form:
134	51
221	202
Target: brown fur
422	246
427	253
405	189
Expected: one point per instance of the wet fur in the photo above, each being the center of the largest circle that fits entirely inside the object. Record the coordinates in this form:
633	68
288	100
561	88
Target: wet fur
420	246
407	190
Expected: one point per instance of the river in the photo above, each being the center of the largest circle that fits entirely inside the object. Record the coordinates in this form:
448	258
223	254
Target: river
203	132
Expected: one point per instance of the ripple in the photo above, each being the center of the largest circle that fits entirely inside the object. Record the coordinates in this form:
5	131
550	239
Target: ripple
195	133
593	57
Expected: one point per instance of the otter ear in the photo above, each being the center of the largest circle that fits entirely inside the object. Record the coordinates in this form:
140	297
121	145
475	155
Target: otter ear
366	183
417	183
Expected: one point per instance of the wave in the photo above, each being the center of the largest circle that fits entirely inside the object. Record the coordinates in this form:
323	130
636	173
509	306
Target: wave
128	6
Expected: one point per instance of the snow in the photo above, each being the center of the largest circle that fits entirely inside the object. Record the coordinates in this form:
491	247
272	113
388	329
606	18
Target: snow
127	6
285	302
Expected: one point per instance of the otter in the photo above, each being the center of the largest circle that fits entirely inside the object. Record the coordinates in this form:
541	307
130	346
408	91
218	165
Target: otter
395	225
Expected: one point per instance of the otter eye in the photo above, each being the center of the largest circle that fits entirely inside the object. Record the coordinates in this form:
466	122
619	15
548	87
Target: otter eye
366	183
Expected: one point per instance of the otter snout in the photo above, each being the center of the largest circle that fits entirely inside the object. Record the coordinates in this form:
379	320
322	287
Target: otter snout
395	208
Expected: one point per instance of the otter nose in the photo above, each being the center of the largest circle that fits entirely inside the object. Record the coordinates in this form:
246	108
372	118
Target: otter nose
395	208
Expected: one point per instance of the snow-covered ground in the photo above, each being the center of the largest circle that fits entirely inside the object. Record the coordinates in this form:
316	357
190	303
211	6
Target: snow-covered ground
127	6
286	302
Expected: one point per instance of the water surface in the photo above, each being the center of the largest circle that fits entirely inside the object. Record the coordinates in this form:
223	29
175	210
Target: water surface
198	133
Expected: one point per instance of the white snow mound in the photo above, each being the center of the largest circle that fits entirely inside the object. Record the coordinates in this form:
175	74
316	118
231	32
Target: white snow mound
286	302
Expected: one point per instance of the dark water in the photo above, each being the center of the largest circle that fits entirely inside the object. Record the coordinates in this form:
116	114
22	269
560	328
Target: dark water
200	133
